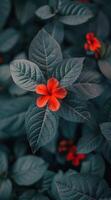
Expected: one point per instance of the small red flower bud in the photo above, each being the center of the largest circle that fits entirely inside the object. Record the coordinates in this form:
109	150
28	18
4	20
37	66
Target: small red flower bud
93	44
70	150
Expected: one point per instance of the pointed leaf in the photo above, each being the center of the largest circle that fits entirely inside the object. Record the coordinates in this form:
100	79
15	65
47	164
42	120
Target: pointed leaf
26	74
8	39
45	51
5	7
28	170
74	13
90	142
44	12
106	130
82	187
56	30
69	70
41	126
93	165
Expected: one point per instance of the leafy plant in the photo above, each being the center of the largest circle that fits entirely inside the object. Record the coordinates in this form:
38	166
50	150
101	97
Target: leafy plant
55	100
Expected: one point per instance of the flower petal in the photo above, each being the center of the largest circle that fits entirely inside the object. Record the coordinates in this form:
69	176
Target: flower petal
81	156
69	156
41	89
42	101
76	162
90	36
52	83
60	93
53	104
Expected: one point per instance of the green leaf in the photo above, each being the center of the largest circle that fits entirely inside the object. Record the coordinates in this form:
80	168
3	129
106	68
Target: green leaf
28	169
25	10
12	115
56	30
3	163
69	70
32	195
41	126
26	74
74	110
81	187
106	130
105	66
93	165
90	142
8	39
44	12
89	85
5	189
15	90
5	7
106	151
4	74
45	51
73	13
47	180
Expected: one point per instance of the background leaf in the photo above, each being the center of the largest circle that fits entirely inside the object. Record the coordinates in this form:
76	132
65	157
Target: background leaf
5	7
8	39
93	165
75	13
28	169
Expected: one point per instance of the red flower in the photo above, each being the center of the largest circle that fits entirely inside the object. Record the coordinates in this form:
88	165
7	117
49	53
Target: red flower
1	59
50	93
70	149
93	44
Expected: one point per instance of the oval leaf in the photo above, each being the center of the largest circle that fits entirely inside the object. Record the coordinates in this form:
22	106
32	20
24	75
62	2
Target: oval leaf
44	12
26	74
28	169
68	72
45	51
41	126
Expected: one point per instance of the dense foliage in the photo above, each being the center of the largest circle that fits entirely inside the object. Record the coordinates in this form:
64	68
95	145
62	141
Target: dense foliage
55	100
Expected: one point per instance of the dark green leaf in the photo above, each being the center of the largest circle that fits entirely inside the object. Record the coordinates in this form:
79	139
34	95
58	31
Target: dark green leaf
12	115
5	7
74	13
45	51
3	163
32	195
26	74
25	10
89	85
81	187
106	130
56	30
41	126
28	169
8	39
5	189
105	66
74	110
90	142
93	165
69	70
44	12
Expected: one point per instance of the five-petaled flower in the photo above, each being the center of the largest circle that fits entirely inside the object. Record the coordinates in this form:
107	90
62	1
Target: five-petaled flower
50	94
70	150
93	44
